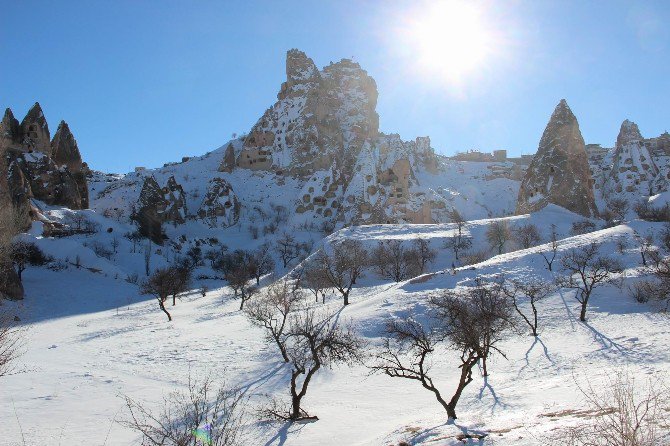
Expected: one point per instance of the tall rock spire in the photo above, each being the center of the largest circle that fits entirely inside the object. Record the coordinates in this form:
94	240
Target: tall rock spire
633	168
64	150
35	130
559	172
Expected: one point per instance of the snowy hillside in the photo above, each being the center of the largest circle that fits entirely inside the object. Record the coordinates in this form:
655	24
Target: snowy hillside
91	337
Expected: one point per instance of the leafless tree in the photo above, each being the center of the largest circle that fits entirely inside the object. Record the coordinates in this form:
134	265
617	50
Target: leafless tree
392	260
475	257
11	340
423	254
261	262
161	284
115	244
472	323
202	414
532	291
526	235
315	340
647	248
287	248
24	253
550	256
271	311
134	237
344	266
665	238
147	258
623	413
458	242
618	209
406	354
584	270
182	282
315	280
498	234
485	307
582	227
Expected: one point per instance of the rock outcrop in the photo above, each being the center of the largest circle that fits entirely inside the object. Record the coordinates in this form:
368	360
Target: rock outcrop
559	172
33	166
220	207
633	168
157	206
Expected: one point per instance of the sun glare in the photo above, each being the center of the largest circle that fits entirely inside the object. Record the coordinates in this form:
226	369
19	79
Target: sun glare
451	39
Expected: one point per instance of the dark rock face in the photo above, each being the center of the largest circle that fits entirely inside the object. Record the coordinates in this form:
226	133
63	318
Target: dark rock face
10	131
220	208
559	172
175	198
157	206
150	209
10	285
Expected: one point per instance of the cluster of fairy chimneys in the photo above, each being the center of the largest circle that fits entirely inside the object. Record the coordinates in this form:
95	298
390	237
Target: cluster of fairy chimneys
32	135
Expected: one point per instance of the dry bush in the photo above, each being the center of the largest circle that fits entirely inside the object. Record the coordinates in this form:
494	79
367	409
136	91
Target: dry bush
201	414
11	340
624	414
475	257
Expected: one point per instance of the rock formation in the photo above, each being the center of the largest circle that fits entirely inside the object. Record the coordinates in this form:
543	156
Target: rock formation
559	172
220	207
633	168
33	166
157	206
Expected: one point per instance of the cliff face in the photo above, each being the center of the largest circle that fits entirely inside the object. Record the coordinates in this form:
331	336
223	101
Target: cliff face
559	172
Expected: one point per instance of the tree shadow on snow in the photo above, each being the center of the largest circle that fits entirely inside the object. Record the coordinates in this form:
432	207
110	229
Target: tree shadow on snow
496	400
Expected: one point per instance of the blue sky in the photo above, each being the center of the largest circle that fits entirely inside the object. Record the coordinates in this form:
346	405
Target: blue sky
142	83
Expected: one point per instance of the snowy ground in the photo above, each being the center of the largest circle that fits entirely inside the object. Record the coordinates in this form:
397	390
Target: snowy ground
91	339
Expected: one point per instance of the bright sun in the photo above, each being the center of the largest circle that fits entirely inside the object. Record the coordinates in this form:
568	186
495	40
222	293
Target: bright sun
450	38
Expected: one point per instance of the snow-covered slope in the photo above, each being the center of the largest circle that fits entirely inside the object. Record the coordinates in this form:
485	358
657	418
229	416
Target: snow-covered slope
91	339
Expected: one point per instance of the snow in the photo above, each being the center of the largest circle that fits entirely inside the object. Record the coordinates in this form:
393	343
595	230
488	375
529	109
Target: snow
91	339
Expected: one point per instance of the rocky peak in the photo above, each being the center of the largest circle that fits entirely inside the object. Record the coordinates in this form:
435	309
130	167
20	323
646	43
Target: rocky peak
10	130
629	133
35	130
64	150
559	172
299	67
633	167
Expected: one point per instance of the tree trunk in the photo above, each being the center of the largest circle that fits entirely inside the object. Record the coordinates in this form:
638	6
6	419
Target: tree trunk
346	298
582	314
174	300
466	378
161	303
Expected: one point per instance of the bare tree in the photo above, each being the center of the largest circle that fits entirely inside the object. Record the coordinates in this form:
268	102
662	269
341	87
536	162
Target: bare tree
202	414
10	225
485	307
271	311
550	256
498	234
624	413
458	242
315	340
391	260
585	269
423	254
406	354
287	248
24	253
582	227
647	248
181	282
533	291
618	209
11	339
526	235
115	244
344	266
134	237
161	284
261	262
238	270
147	258
315	280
